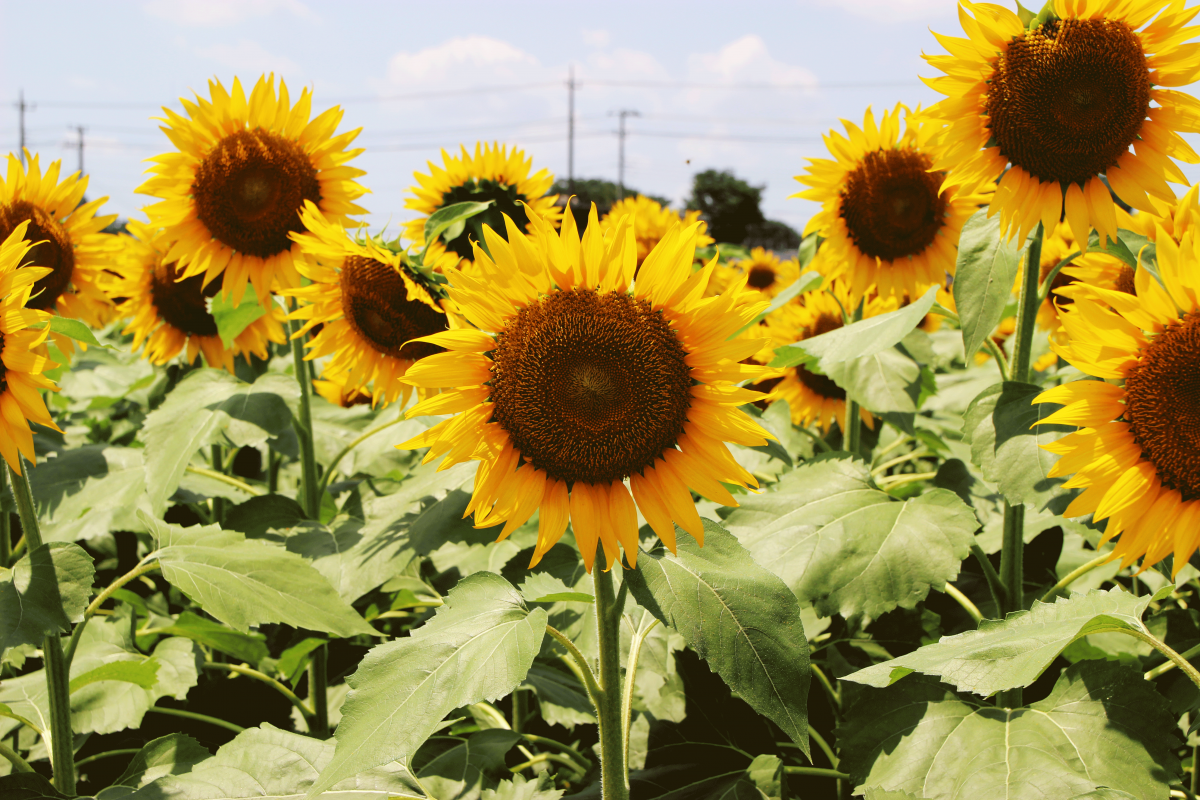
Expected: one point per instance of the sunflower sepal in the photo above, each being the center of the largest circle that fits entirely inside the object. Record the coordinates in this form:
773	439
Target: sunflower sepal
449	222
1047	14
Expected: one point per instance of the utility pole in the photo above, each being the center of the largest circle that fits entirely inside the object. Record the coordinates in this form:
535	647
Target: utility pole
79	144
621	115
21	107
571	132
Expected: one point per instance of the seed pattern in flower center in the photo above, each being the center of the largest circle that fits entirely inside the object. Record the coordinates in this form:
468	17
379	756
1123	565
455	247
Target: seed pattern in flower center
1162	405
54	250
505	200
376	304
590	387
250	188
1069	98
181	304
891	205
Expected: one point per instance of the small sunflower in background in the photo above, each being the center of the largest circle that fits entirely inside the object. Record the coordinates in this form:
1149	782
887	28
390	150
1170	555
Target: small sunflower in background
370	306
233	191
169	314
21	362
764	272
495	172
68	237
332	386
813	398
1139	425
651	221
886	221
581	386
1065	102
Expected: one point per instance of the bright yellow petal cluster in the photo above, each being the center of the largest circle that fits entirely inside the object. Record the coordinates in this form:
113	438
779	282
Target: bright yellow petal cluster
763	272
651	221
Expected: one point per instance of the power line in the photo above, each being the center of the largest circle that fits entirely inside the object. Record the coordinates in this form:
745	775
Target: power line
728	138
759	85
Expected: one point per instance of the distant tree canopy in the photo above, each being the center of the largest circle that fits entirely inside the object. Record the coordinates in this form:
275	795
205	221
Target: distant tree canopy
733	210
595	190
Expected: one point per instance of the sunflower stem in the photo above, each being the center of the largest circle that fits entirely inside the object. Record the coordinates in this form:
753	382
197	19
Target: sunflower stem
309	499
318	694
62	740
5	523
853	439
218	503
1075	574
992	578
614	767
1027	309
345	450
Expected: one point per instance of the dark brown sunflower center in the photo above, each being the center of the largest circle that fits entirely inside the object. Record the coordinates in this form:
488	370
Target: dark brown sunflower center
250	188
1061	280
1125	281
505	200
1162	405
890	204
761	277
1068	98
375	302
590	387
820	384
3	369
53	251
181	304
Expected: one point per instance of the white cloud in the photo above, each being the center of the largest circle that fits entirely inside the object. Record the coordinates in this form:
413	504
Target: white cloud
473	59
249	59
596	38
223	12
890	10
747	60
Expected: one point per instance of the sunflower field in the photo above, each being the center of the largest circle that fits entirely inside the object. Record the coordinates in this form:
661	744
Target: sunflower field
510	507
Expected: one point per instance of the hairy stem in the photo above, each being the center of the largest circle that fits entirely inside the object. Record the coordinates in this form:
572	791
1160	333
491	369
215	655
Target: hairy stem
991	576
5	524
318	694
635	652
614	767
19	764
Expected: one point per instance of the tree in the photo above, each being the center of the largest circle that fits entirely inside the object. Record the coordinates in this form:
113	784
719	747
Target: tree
593	190
732	208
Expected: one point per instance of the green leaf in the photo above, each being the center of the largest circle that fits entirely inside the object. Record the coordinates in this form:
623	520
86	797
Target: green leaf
565	597
140	673
478	646
1105	793
272	764
248	647
451	219
520	789
1007	448
859	339
562	699
983	279
738	617
808	249
1102	725
293	659
231	320
849	548
28	786
44	592
464	770
1005	654
173	754
87	492
250	582
258	515
887	382
73	329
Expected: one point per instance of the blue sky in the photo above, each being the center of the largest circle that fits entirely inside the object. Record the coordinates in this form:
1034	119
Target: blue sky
109	66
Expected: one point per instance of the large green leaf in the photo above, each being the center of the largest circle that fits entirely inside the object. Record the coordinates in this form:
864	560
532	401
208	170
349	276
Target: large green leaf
464	770
983	278
217	408
1005	445
848	548
1102	725
87	492
737	616
479	646
249	582
173	754
887	382
248	647
44	592
272	764
1004	654
451	220
231	320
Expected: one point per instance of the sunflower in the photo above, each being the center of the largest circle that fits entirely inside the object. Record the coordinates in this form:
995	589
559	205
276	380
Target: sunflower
370	307
764	272
20	363
651	221
578	382
812	398
169	315
883	218
1061	104
332	386
69	238
1135	451
495	172
233	191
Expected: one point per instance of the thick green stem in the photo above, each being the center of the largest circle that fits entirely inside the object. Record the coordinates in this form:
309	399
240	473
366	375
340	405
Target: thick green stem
1188	654
635	652
614	767
1012	577
19	764
62	751
1027	308
5	524
992	578
853	439
218	503
309	499
318	691
518	710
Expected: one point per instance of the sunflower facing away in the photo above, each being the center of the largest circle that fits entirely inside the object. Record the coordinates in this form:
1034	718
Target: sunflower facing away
244	168
580	380
370	307
68	237
495	172
20	364
651	221
169	315
1135	451
1062	104
883	218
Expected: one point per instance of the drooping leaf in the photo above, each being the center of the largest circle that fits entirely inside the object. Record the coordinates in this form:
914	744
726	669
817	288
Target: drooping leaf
74	329
1004	654
737	616
479	646
983	278
87	492
249	582
173	754
1102	725
848	548
44	592
272	764
139	673
1005	445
